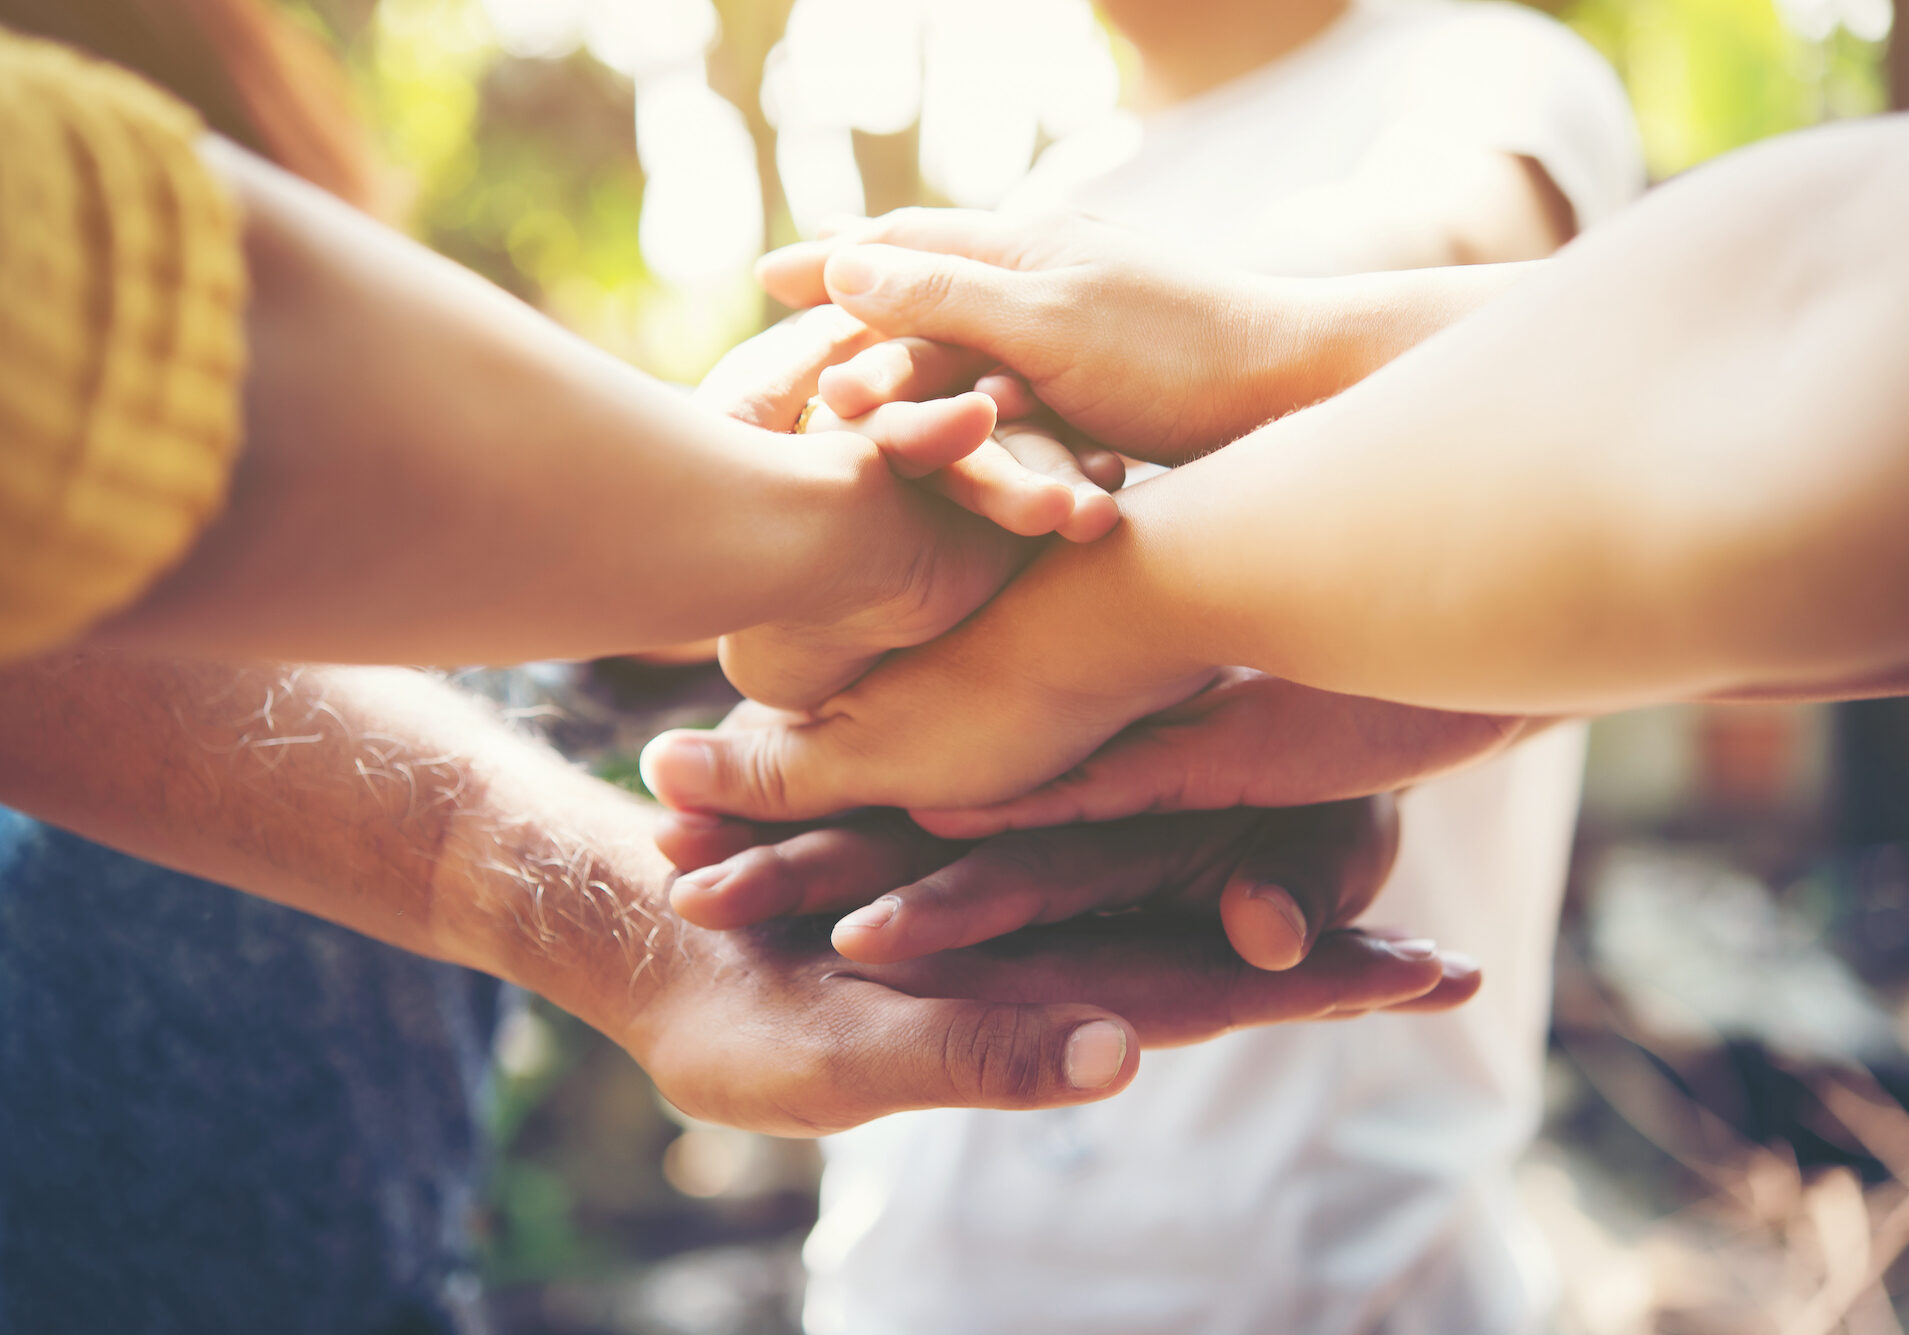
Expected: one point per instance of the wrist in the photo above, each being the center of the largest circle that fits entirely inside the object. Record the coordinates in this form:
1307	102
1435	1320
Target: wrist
1105	620
572	906
795	516
861	523
1294	345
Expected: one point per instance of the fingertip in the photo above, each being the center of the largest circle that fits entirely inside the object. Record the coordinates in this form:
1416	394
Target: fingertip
852	274
1103	468
1460	979
1094	516
845	389
979	408
1034	506
692	840
793	274
1265	924
693	899
679	769
963	422
1010	394
1460	974
752	887
922	438
860	935
867	380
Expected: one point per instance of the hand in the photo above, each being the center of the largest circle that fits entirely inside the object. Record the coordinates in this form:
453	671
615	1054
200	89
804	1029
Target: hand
1031	487
1023	691
768	1028
1159	358
1016	479
1275	880
1009	714
1248	740
759	996
765	381
1033	476
893	596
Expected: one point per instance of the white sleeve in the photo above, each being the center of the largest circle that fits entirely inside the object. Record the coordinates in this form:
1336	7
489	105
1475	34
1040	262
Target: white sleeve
1506	77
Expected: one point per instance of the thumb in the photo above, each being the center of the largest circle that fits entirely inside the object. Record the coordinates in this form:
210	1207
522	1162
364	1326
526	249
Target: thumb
796	772
1307	870
929	1053
1019	318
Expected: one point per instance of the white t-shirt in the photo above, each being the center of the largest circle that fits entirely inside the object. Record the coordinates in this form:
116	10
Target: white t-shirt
1307	1180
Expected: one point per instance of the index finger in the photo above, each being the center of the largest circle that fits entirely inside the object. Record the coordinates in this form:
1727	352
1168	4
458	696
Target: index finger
1180	982
766	380
900	368
793	274
1042	876
833	867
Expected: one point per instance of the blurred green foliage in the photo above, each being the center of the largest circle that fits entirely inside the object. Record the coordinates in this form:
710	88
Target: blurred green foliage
526	169
1707	76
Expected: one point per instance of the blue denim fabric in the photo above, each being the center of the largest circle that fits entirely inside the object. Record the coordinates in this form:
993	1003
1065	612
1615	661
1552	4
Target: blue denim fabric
220	1115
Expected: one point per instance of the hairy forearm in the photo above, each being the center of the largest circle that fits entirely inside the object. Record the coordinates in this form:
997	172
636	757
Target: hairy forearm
1676	464
435	473
381	799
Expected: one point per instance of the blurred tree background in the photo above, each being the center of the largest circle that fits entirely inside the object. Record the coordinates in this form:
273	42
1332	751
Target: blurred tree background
620	164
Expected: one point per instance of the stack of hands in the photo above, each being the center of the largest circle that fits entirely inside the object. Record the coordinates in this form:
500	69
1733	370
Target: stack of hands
1189	852
994	715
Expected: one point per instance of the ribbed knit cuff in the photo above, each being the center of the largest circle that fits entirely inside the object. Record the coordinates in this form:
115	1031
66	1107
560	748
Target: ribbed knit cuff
121	340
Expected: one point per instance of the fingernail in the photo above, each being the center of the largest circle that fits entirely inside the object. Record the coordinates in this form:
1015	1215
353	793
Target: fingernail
1457	964
1095	1053
850	273
872	917
1417	948
703	878
696	822
1278	898
680	768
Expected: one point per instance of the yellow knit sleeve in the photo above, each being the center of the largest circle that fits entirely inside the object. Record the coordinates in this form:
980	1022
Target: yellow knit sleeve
121	340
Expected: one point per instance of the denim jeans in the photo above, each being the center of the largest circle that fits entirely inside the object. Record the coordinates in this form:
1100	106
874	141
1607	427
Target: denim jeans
220	1115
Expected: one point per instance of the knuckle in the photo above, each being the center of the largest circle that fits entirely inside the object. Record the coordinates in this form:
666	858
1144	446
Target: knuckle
1050	309
757	775
1021	859
994	1058
930	290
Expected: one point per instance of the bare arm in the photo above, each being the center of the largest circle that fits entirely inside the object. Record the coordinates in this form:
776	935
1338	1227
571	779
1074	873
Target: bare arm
387	802
435	473
1675	464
